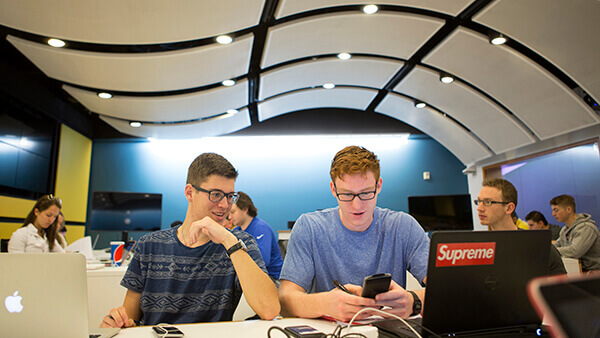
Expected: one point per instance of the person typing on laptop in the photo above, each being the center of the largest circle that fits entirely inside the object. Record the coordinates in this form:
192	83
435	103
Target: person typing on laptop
349	242
495	204
195	272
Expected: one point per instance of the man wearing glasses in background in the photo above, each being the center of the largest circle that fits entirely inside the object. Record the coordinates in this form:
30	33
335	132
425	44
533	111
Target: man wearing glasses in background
349	242
195	272
495	204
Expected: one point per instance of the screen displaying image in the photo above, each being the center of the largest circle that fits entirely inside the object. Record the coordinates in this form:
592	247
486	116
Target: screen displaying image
126	211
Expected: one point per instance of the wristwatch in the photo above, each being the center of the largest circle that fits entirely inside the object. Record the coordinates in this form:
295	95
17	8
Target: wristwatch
237	246
416	304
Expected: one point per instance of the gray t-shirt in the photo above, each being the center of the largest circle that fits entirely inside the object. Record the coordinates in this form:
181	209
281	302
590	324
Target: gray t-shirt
321	249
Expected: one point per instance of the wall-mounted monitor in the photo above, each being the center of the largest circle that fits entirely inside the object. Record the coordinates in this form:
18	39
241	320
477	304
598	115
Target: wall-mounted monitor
125	211
443	212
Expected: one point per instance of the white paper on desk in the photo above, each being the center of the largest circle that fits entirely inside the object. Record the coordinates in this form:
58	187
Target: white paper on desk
82	245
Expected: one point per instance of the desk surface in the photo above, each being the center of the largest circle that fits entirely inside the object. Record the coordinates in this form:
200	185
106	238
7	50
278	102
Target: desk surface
250	328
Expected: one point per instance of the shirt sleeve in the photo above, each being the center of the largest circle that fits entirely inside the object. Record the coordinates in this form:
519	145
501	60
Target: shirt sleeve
419	251
298	266
17	242
133	279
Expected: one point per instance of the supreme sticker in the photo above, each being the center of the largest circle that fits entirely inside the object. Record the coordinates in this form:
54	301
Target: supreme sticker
461	254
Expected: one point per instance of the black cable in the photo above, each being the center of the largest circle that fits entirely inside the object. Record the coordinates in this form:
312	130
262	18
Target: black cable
277	328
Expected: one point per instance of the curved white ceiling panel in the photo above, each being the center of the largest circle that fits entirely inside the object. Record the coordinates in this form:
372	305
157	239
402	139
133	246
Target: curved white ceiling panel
456	139
353	98
396	35
130	22
536	97
140	72
211	127
573	48
367	72
165	108
289	7
492	124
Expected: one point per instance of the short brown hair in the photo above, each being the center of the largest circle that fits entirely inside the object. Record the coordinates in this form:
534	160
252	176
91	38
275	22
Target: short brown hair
245	202
564	201
208	164
509	193
354	160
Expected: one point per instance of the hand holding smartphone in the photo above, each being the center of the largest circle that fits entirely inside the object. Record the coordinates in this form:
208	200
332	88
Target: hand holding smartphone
375	284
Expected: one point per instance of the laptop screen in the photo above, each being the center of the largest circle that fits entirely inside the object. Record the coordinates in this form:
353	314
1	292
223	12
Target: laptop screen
477	280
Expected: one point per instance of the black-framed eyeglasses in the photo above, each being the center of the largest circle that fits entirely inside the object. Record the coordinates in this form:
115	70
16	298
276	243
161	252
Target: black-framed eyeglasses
487	203
363	196
217	195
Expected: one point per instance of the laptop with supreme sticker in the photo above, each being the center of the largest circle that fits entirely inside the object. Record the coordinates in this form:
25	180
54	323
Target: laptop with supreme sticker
477	282
45	295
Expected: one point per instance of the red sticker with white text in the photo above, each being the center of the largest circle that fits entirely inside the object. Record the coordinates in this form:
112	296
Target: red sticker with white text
463	254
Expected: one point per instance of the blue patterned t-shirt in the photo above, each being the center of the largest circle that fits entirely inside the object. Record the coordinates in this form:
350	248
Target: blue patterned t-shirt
185	285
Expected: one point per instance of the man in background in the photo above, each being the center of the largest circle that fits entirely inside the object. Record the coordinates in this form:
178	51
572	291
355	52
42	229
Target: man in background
496	202
537	221
579	238
243	216
347	243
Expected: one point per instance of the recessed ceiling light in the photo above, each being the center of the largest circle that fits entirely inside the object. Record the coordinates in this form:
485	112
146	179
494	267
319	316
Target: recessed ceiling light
56	43
224	39
497	39
370	9
329	86
420	104
104	95
446	78
135	124
344	56
228	83
232	112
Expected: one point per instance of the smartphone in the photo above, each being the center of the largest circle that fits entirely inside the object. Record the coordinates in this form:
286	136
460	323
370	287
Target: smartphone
304	331
167	331
375	284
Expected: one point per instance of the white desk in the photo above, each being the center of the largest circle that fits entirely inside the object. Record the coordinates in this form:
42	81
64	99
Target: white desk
251	328
104	292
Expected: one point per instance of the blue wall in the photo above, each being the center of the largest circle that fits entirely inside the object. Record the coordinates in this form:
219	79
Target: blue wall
285	175
574	171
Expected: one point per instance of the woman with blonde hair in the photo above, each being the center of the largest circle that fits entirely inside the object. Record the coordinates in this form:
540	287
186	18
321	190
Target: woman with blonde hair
39	232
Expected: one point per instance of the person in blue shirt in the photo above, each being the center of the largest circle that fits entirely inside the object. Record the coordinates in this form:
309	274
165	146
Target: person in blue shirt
243	216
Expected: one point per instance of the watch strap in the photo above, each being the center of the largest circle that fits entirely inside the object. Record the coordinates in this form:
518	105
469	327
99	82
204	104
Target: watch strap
237	246
417	305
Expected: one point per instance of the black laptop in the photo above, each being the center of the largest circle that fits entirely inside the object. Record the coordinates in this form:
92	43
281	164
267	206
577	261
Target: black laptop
477	284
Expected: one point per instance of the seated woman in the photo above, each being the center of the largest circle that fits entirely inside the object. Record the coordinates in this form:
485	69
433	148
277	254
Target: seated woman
39	232
62	230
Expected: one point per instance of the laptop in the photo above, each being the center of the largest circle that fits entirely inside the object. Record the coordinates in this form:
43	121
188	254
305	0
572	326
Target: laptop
570	305
477	284
45	295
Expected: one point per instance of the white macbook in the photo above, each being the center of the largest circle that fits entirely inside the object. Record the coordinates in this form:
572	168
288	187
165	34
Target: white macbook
45	295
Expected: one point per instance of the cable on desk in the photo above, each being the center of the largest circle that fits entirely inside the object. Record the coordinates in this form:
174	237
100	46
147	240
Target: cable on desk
278	329
396	317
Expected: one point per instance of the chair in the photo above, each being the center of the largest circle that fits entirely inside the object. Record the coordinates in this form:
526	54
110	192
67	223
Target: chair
4	244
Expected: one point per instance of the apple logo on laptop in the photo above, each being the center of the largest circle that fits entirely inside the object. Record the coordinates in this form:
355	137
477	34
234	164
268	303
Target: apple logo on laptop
13	303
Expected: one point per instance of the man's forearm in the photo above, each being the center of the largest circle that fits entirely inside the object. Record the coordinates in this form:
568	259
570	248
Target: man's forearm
258	288
300	304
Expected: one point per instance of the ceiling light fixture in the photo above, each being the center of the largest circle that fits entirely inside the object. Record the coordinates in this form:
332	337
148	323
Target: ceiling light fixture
370	9
231	112
224	39
420	104
497	39
446	78
329	86
56	43
104	95
135	124
228	83
344	56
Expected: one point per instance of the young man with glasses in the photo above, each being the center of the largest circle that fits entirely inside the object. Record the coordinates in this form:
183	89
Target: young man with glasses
495	204
195	272
350	242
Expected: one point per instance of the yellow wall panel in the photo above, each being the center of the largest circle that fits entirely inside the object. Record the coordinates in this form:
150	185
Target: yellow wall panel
73	173
6	229
74	232
15	207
